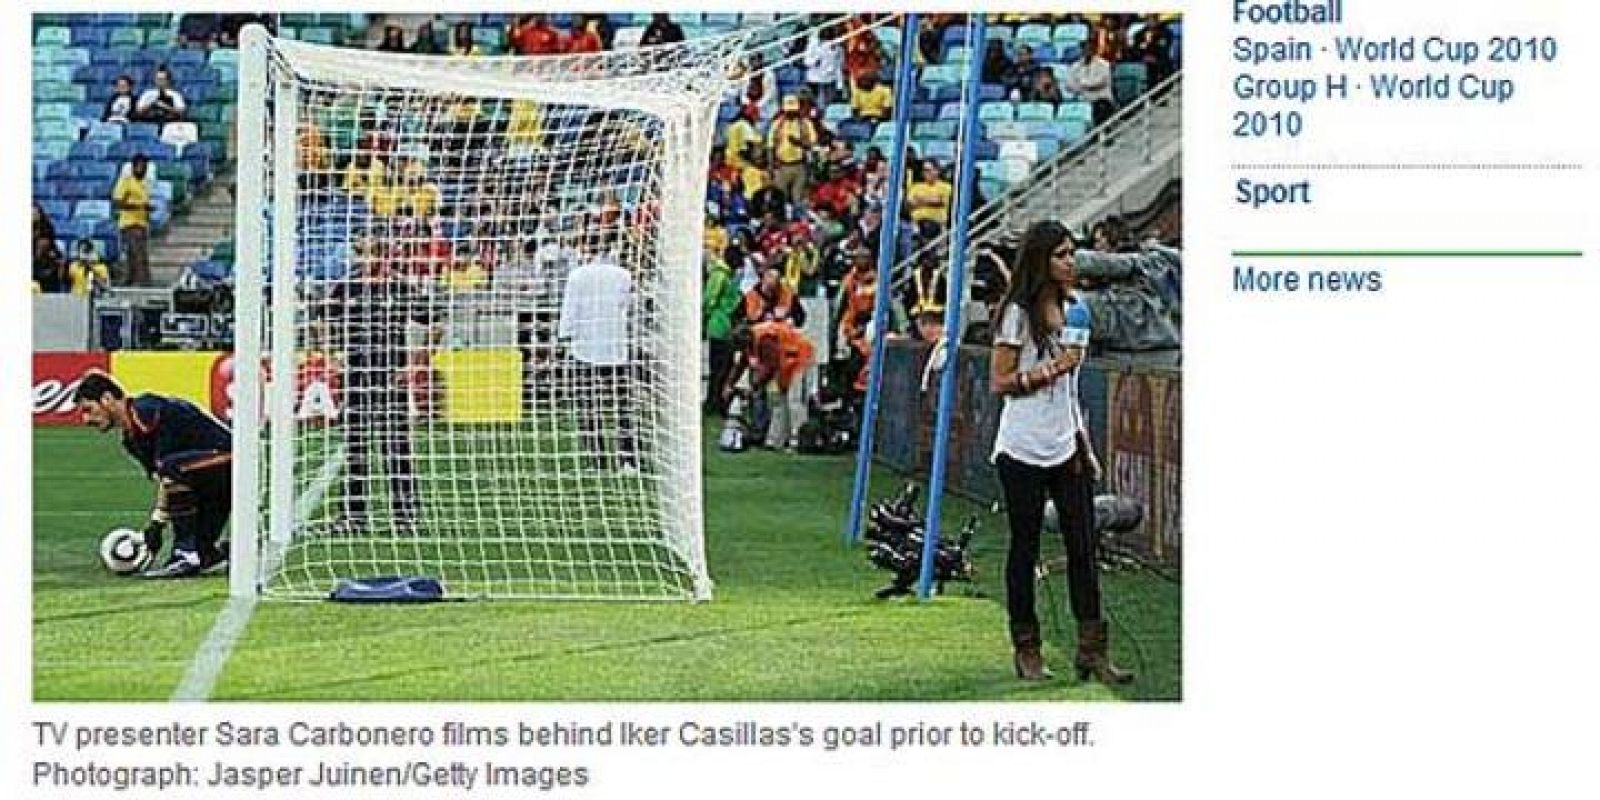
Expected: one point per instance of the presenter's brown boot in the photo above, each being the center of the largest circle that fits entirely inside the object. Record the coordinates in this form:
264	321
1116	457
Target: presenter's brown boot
1094	659
1028	658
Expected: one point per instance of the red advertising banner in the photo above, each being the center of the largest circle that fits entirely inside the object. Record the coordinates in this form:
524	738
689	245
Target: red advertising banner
55	378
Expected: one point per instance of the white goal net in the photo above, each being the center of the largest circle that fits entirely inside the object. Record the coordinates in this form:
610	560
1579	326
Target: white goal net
469	320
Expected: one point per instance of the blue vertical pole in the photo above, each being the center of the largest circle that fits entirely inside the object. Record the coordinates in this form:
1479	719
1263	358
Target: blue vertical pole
888	236
966	161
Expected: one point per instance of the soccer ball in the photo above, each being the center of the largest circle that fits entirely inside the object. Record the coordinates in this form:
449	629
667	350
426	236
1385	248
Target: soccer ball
123	551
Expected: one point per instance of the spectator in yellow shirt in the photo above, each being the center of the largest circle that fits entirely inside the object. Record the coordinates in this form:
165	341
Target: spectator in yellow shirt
872	100
131	199
929	197
792	136
742	135
87	274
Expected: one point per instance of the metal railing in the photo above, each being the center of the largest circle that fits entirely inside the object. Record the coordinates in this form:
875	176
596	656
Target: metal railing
1133	123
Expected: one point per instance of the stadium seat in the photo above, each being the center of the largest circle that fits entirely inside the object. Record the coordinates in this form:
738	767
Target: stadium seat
953	35
855	130
53	170
1128	81
1000	33
723	21
1022	149
1033	33
1075	111
53	36
90	36
627	38
54	150
116	20
941	93
52	112
125	37
142	132
1074	130
58	92
219	57
999	111
1045	53
88	151
991	92
943	149
97	171
1035	111
92	210
186	58
1004	130
105	132
924	112
1047	149
1015	171
55	130
836	112
56	73
956	55
950	111
941	73
56	209
1075	32
180	135
937	129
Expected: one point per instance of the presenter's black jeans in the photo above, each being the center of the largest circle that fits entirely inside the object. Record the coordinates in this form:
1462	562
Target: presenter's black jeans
1071	485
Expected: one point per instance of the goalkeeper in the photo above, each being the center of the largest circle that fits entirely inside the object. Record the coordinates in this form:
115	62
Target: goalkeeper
190	456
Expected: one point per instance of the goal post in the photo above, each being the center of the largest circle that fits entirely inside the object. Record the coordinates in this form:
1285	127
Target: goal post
468	320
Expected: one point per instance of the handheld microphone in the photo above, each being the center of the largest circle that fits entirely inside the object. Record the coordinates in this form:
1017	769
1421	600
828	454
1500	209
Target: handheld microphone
1076	331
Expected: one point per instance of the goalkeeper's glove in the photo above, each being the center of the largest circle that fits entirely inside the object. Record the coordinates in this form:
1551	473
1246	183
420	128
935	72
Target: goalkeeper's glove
153	536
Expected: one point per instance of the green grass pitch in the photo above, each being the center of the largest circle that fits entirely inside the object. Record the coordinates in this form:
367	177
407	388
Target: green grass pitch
793	617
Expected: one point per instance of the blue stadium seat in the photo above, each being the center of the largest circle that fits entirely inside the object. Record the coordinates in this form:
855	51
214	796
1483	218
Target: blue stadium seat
55	130
56	73
941	73
89	151
998	111
943	149
938	129
1033	32
125	37
116	20
1035	111
219	57
47	190
1074	130
1069	32
953	35
1047	148
56	209
90	36
941	93
55	170
956	55
56	112
186	58
98	171
723	21
836	112
92	209
1005	130
924	112
54	36
1045	53
104	132
985	149
53	150
111	57
854	130
58	92
1075	111
1041	129
1000	33
991	92
950	111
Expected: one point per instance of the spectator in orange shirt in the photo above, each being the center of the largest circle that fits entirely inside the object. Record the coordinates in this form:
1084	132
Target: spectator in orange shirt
533	35
769	299
586	38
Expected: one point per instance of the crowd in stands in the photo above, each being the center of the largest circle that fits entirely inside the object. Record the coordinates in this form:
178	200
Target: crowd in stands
796	185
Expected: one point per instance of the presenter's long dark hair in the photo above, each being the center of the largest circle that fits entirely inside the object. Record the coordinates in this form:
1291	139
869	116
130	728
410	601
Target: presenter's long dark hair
1030	277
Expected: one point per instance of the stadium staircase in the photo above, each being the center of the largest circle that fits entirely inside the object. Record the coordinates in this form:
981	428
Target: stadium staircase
194	237
1120	166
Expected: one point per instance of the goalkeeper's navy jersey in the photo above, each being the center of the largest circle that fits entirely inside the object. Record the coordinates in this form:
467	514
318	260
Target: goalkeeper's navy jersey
162	430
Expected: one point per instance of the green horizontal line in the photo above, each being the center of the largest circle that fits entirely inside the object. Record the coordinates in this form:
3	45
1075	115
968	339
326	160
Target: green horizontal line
1408	254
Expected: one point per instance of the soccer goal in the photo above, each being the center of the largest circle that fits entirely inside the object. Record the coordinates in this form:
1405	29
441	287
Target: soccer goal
420	389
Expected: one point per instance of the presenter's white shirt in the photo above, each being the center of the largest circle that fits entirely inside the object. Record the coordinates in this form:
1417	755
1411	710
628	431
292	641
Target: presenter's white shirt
1091	81
1041	428
594	312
